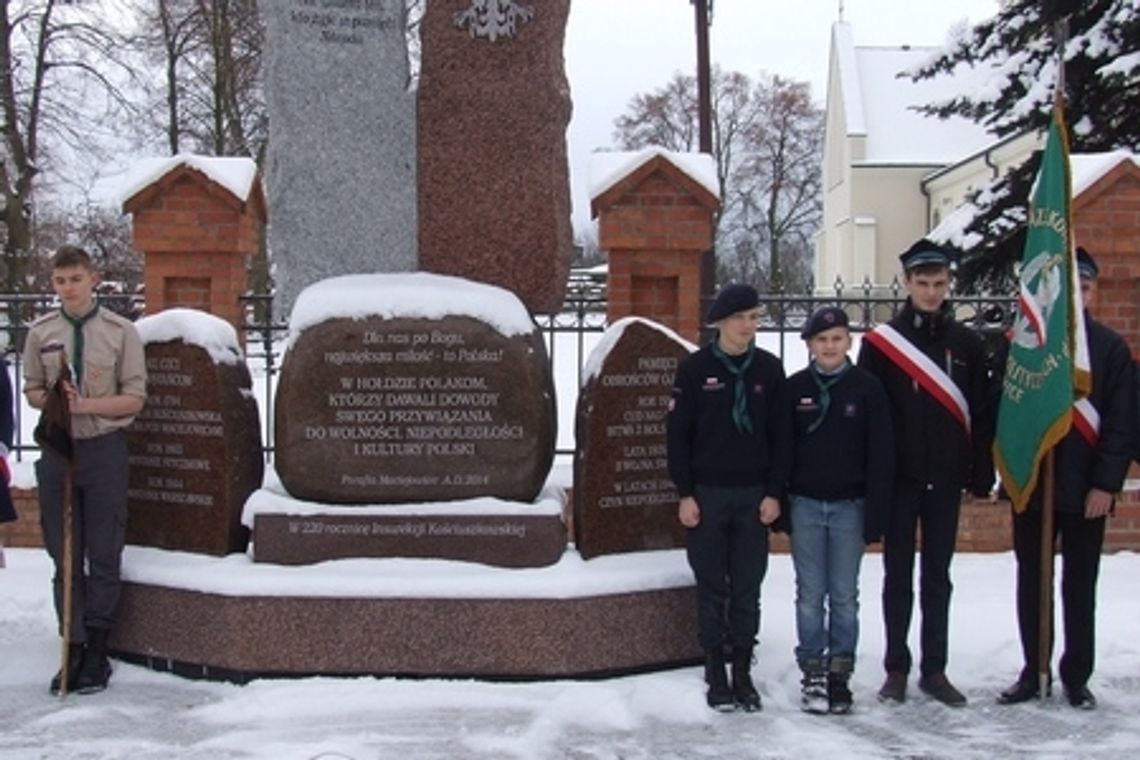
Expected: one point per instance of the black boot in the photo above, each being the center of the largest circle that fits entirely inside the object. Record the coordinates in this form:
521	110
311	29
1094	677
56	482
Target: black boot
839	697
813	687
719	696
96	670
743	691
74	664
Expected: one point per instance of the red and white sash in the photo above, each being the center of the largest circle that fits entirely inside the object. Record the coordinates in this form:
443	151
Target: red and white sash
1086	419
920	368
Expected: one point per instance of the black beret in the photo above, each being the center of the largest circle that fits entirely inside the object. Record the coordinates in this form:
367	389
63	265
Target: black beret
731	299
1086	265
824	318
924	252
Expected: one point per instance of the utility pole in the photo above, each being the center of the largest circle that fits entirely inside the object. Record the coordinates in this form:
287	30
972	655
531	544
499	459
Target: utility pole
704	93
703	10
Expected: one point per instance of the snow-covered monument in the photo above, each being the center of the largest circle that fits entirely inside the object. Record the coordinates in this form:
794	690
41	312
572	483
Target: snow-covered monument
411	528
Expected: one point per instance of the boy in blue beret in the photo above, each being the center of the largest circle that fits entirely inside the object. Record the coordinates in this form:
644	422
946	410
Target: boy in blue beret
839	494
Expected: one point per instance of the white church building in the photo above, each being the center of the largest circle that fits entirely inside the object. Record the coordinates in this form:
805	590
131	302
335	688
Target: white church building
891	174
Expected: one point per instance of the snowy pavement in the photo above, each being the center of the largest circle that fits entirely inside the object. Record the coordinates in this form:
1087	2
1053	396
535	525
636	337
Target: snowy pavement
657	716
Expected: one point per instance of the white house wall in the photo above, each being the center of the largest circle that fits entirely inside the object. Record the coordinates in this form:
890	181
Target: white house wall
950	188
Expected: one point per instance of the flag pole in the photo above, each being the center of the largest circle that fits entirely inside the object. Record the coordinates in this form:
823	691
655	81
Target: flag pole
68	571
1045	614
53	434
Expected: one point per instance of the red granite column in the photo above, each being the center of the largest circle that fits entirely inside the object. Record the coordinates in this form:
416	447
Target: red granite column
198	238
655	223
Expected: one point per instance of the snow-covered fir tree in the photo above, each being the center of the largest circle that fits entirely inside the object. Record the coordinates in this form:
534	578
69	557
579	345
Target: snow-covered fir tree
1018	50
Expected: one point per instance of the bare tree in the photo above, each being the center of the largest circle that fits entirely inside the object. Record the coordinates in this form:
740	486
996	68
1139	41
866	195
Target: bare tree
778	184
767	145
61	75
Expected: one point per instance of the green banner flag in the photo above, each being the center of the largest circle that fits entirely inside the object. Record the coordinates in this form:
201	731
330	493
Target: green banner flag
1044	370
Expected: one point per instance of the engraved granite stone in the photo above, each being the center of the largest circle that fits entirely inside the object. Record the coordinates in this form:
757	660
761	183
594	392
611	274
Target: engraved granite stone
624	499
494	103
195	448
415	395
341	158
510	539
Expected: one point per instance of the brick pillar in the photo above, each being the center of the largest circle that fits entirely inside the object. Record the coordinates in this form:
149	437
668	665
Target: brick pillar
198	237
1106	221
655	223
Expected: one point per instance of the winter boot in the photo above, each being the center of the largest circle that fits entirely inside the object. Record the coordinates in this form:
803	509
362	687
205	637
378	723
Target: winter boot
838	693
838	689
719	696
96	670
813	687
75	654
747	698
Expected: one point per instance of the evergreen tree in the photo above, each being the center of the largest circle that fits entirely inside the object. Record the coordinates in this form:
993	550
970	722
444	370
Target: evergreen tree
1018	49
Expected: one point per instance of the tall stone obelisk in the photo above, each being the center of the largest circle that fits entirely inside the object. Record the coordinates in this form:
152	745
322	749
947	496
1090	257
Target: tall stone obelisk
341	161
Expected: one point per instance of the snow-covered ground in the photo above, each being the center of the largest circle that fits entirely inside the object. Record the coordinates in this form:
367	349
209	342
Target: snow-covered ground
656	716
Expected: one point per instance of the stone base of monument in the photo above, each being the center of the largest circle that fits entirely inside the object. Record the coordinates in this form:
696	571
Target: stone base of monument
288	531
232	619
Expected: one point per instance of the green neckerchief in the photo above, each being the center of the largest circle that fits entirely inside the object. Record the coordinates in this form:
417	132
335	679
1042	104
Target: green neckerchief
77	347
740	416
824	381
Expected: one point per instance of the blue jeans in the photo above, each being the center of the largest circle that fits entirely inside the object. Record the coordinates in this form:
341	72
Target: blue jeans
827	549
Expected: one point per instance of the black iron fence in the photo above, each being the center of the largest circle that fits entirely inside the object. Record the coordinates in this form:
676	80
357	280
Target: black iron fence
569	335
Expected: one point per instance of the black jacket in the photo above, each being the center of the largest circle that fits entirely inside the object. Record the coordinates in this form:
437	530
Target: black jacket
7	428
1080	467
704	446
932	448
851	454
1136	417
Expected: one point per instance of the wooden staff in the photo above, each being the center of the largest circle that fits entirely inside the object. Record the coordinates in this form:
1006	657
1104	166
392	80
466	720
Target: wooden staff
68	569
1045	613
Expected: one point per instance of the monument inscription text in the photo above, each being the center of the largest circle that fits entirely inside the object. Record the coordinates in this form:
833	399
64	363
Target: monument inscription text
397	406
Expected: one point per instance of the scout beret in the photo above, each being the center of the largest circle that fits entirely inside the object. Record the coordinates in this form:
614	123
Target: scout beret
824	318
731	299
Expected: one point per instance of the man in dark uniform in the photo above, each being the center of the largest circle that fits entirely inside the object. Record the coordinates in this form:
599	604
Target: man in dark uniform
729	456
839	494
1091	464
934	372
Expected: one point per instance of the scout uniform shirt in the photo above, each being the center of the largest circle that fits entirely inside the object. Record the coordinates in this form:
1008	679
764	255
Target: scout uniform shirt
114	363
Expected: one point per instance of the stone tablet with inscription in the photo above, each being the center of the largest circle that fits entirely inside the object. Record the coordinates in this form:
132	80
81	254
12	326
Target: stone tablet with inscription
494	188
195	448
488	531
413	388
624	499
340	169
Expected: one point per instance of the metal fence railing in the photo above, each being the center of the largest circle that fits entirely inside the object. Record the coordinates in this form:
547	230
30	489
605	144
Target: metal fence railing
569	334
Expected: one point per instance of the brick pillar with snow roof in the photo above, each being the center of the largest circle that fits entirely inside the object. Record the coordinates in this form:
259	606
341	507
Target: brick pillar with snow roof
655	212
1106	222
198	220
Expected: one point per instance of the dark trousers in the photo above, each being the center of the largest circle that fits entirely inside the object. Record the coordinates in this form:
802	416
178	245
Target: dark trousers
99	523
936	510
1081	543
728	552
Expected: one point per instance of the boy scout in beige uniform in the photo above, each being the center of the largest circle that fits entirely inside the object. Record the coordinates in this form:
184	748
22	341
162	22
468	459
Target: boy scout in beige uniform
107	389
